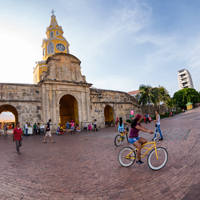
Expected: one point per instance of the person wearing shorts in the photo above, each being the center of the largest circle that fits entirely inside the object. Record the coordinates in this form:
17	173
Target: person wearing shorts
121	127
48	132
134	137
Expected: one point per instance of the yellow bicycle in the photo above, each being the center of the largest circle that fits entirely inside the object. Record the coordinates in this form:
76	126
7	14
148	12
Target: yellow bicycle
156	160
119	138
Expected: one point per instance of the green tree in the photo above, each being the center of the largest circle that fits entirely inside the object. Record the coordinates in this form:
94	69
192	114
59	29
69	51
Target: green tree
170	103
146	95
182	97
161	94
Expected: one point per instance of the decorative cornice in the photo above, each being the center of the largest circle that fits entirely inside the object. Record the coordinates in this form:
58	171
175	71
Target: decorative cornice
36	101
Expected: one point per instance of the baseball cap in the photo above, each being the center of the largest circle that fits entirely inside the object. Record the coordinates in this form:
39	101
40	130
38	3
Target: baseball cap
138	116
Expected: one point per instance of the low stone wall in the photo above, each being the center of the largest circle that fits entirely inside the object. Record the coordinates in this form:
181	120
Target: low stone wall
121	102
161	109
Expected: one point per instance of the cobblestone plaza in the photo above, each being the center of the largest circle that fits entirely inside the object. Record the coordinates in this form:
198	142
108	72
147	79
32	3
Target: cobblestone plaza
85	166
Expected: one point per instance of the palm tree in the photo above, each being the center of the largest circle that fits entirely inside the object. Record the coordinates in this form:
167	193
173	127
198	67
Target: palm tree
146	95
164	95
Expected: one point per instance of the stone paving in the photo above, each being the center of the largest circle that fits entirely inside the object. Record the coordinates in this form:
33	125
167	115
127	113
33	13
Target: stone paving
85	166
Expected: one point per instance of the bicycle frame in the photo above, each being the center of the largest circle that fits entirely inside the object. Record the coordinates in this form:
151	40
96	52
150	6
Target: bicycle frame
148	149
121	136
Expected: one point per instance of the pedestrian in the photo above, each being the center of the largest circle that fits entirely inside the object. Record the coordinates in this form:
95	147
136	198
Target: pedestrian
38	129
67	126
147	118
85	127
117	121
95	125
61	129
157	121
5	129
144	117
58	130
26	129
35	129
78	128
89	127
48	132
72	127
17	137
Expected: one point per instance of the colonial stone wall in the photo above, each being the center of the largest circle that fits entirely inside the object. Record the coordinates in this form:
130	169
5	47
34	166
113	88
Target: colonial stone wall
39	103
161	109
25	98
121	102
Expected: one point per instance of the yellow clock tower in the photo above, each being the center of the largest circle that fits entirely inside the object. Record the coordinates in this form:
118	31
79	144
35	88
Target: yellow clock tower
54	43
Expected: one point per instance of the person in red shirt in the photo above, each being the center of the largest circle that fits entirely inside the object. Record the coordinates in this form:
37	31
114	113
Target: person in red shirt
17	133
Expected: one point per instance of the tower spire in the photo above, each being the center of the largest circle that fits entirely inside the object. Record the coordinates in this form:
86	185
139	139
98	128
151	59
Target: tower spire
53	11
53	19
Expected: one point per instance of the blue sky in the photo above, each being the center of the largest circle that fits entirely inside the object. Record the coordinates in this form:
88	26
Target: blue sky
121	43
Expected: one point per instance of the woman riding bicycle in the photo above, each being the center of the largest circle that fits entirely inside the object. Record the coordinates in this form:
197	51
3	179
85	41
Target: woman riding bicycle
134	137
121	127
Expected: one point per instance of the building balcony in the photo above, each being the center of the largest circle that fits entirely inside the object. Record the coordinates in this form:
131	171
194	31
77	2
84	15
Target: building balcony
183	72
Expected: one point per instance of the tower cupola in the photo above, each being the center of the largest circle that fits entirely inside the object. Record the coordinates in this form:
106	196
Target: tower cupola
55	42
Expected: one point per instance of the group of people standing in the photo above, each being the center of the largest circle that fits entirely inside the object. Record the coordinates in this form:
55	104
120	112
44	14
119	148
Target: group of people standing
36	129
147	118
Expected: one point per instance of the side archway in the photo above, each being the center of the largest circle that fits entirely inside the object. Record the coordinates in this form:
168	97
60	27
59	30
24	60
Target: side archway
109	115
9	108
68	109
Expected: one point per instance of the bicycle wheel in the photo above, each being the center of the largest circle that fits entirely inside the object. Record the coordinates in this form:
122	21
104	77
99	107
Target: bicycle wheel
127	137
118	140
123	160
153	162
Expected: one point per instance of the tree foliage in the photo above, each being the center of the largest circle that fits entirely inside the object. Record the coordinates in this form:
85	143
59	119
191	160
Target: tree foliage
155	95
182	97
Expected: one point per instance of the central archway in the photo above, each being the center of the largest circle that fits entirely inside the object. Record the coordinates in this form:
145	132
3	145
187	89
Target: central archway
109	116
68	110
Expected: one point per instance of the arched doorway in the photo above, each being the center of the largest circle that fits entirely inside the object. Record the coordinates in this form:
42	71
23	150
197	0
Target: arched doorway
109	115
68	110
9	115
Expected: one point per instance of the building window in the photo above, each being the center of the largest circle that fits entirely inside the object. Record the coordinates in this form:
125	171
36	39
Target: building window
185	84
67	49
43	51
182	76
50	48
57	32
51	34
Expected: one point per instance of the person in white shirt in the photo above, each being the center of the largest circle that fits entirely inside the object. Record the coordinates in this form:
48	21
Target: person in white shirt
95	125
26	129
157	126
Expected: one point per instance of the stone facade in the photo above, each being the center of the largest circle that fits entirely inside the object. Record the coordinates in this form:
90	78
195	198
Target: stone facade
38	103
23	100
121	103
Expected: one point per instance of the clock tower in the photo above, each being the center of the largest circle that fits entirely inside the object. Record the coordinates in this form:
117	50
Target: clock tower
54	43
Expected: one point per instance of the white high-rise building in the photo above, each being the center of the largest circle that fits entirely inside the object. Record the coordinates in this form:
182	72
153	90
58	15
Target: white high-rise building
185	79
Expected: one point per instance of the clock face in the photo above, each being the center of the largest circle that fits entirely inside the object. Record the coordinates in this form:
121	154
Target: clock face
60	47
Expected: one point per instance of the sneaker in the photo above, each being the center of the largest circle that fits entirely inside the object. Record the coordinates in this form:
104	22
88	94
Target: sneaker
160	139
139	162
154	139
